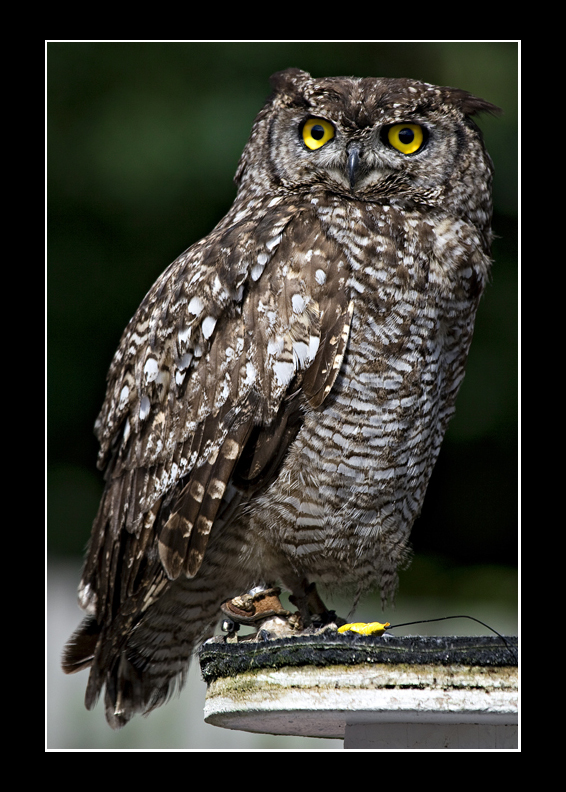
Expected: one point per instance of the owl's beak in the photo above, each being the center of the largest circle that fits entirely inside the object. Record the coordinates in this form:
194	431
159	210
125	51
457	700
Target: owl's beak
353	166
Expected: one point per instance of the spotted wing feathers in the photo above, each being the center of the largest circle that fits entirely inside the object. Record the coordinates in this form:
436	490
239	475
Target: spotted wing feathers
207	389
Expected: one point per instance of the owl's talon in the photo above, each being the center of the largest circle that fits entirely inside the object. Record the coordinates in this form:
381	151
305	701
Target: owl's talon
313	610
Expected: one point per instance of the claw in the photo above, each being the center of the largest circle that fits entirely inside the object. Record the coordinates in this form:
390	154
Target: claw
312	608
363	628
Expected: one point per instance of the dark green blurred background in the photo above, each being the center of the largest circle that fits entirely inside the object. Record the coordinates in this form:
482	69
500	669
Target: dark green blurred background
143	143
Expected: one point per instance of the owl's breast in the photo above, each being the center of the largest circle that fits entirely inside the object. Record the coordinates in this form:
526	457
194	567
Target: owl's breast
354	479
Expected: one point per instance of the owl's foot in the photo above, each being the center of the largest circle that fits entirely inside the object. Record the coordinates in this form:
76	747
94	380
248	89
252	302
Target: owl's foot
313	610
263	610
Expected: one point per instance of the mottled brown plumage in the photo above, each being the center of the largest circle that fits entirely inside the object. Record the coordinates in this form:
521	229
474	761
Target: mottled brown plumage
277	403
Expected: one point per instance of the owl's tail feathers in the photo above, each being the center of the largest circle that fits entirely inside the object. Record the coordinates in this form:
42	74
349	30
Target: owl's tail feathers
132	685
131	690
81	647
141	661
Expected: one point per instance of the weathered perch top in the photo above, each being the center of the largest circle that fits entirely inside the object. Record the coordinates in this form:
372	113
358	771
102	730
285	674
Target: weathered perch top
329	685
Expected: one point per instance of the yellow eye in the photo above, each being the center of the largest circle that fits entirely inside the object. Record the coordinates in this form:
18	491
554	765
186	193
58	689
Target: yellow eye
406	138
317	132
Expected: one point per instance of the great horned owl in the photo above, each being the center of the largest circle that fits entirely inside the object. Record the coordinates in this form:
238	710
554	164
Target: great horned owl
277	403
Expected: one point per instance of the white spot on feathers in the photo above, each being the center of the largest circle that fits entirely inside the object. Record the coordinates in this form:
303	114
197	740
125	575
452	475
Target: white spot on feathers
298	303
273	243
195	306
283	372
208	325
300	354
124	397
144	408
150	369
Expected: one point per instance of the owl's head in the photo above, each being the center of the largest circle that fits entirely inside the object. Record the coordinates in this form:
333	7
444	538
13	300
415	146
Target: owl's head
384	140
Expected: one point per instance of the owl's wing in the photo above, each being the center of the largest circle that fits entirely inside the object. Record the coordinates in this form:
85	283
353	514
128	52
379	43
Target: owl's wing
207	389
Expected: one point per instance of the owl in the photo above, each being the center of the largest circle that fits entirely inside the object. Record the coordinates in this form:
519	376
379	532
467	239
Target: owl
277	403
